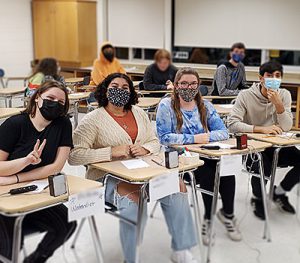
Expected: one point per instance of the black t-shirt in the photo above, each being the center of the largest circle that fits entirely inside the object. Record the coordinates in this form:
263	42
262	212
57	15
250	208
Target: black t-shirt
18	137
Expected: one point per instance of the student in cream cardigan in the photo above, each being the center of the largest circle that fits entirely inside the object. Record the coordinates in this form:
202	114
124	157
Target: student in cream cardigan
118	130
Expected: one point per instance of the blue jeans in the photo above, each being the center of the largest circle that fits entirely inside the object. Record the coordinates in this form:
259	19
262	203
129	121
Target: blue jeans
176	211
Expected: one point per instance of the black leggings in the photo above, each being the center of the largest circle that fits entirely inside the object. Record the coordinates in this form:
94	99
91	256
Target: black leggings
205	176
289	156
53	220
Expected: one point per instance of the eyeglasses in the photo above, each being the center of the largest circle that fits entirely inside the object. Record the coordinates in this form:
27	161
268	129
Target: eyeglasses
54	99
185	84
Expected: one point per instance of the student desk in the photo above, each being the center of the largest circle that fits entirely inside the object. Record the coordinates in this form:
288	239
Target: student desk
20	205
74	99
223	109
253	145
72	81
149	104
278	143
141	177
9	93
151	92
8	112
209	97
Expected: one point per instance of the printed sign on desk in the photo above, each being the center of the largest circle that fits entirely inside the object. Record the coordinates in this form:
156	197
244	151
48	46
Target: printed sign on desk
86	204
164	185
231	165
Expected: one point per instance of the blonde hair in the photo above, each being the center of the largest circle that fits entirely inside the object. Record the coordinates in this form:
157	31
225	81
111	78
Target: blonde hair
161	54
198	99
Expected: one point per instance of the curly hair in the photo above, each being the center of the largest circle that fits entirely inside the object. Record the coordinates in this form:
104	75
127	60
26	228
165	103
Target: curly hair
101	91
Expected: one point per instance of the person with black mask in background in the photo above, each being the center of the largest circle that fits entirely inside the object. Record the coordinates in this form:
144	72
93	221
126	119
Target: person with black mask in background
230	76
106	64
34	145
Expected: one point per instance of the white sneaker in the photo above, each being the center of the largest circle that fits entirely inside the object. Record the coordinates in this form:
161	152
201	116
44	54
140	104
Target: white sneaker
230	224
205	233
183	256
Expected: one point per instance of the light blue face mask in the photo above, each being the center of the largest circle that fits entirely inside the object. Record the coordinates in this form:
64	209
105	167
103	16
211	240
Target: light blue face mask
272	83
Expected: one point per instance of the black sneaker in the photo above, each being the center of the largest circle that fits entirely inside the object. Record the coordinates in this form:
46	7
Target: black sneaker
282	202
258	208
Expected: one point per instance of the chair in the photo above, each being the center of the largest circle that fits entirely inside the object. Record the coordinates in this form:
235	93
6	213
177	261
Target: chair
1	78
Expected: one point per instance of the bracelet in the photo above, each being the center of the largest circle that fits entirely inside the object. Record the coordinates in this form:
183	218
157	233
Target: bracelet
18	179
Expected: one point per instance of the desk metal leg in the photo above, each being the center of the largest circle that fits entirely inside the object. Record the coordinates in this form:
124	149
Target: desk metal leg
139	222
96	239
10	101
196	209
77	233
76	105
17	239
273	172
267	232
213	209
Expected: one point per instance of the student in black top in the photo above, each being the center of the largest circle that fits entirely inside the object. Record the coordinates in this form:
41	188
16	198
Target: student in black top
160	75
34	145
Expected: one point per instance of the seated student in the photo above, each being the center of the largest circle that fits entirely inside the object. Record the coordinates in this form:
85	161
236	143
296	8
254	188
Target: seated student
230	77
118	130
34	145
160	74
47	69
266	108
186	118
106	64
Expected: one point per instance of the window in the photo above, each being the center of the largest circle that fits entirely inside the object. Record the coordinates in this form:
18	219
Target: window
285	57
122	52
214	56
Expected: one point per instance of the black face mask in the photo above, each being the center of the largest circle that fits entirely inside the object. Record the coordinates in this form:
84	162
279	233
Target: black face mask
51	110
109	55
118	97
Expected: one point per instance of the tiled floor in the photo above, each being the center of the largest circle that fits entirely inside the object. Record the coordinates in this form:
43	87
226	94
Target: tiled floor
284	248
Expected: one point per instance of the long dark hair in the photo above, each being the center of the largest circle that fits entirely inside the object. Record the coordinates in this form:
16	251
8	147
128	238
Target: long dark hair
47	66
101	91
198	99
31	107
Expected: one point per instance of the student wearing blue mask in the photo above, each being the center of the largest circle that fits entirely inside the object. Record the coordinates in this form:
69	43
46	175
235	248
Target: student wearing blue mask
230	76
266	108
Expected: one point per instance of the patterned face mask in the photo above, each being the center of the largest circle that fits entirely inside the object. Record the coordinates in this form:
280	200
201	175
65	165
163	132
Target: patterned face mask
118	97
187	94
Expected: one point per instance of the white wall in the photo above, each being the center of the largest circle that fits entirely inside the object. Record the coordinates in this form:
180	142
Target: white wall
16	43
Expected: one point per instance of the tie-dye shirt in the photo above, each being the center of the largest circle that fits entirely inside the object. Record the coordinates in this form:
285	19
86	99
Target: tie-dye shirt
166	124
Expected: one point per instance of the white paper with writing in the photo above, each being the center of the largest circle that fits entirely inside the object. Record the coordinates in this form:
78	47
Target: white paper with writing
41	185
135	164
230	165
86	204
164	185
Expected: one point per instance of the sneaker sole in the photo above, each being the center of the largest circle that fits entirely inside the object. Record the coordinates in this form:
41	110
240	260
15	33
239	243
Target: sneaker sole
220	218
282	210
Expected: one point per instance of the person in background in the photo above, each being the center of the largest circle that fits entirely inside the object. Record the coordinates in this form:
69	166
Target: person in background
106	64
120	130
47	69
160	74
34	145
266	108
185	118
230	77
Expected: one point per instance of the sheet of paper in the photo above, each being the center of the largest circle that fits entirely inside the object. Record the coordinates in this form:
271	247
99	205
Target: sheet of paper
135	164
164	185
41	184
86	204
222	145
227	106
231	165
286	135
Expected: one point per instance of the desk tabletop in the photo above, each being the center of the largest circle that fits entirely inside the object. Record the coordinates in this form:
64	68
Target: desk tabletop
79	96
209	97
73	80
165	91
223	109
147	102
13	204
11	91
8	112
142	174
275	139
252	144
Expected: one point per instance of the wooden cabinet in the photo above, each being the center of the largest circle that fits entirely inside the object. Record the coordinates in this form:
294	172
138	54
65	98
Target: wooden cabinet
65	30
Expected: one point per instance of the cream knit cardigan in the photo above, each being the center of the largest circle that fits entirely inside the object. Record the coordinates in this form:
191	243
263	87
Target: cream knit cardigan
98	132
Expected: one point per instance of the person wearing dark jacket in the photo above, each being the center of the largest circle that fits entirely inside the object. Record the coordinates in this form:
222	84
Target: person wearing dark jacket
160	75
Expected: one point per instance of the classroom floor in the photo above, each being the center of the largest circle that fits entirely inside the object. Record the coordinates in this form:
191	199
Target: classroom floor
285	230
